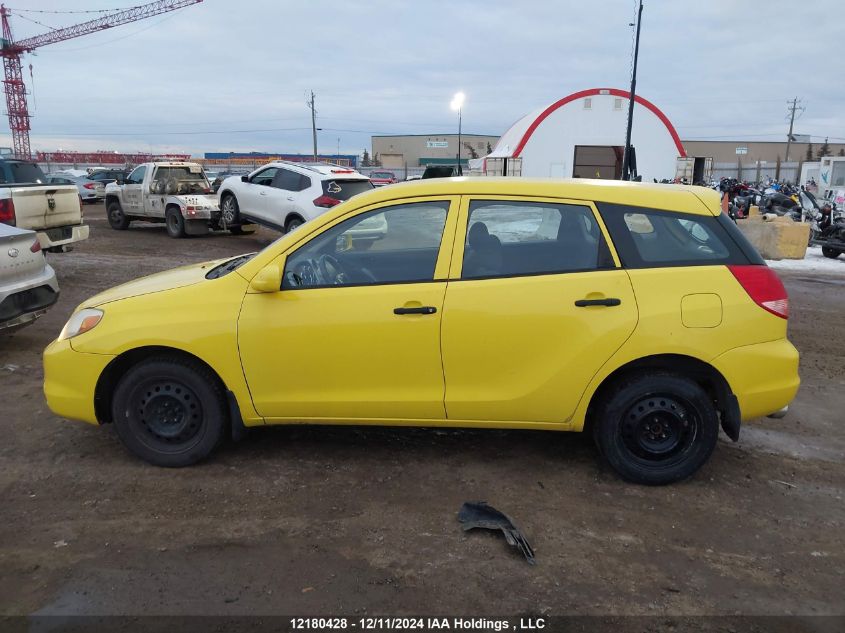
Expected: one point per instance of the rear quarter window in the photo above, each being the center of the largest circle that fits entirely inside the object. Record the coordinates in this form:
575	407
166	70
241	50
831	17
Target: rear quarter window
652	238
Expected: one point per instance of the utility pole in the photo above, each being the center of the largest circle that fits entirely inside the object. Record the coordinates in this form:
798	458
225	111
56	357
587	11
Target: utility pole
627	172
792	109
310	104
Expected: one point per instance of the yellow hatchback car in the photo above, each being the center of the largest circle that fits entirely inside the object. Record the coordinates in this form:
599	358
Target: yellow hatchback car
636	311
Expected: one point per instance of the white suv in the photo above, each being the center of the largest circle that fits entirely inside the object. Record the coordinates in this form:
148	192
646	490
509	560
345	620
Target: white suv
283	195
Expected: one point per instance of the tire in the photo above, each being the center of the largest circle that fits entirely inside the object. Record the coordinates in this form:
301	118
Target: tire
169	411
229	209
236	230
832	253
656	428
174	222
118	220
293	223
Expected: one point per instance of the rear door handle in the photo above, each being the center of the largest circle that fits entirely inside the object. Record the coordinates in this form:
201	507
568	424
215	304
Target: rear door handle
583	303
419	310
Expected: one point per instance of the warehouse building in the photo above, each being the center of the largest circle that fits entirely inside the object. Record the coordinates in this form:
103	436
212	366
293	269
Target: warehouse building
397	151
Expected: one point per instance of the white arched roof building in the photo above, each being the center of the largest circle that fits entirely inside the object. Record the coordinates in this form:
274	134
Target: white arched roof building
583	135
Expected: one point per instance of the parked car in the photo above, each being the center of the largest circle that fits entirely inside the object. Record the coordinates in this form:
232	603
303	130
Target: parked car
107	176
441	171
89	190
283	195
382	178
28	285
173	192
28	201
637	312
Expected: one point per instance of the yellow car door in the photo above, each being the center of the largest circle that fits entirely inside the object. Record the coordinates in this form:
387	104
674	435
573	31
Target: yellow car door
536	304
354	334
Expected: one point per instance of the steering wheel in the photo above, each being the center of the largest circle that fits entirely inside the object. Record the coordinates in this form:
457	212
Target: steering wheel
342	272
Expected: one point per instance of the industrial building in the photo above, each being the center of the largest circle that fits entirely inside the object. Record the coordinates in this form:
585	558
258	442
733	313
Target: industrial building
397	151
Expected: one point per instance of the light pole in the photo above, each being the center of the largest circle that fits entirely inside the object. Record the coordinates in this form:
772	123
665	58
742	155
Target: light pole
457	105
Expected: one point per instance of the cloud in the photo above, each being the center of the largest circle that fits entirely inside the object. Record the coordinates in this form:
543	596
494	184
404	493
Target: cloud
221	76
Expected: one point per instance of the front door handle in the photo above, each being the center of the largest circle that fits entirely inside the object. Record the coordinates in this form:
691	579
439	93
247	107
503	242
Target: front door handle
583	303
418	310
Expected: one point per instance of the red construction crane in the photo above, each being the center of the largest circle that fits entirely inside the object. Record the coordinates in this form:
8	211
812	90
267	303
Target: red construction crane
11	52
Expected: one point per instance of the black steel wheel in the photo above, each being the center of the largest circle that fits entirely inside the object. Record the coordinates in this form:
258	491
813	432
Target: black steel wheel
169	411
117	218
656	428
831	253
174	222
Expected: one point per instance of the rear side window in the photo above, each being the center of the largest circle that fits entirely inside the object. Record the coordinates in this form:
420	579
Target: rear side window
345	189
649	238
507	239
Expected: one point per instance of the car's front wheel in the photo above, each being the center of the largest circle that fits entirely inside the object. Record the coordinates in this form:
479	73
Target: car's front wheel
229	209
656	428
117	218
169	411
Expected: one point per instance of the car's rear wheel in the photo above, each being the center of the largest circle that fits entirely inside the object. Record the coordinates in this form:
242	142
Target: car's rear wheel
229	210
174	222
169	411
832	253
293	223
656	428
117	218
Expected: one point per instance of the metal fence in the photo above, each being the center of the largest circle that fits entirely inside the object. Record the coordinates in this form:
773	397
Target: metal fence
754	172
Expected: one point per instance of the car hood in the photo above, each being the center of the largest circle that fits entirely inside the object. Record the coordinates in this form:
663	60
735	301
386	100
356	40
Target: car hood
167	280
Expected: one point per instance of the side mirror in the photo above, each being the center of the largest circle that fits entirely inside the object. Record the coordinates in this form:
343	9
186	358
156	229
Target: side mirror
244	178
268	279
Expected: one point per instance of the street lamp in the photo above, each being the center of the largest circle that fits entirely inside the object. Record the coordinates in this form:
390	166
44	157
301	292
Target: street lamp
457	105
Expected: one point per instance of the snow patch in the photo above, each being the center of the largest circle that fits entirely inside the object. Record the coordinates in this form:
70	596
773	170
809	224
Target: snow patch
813	261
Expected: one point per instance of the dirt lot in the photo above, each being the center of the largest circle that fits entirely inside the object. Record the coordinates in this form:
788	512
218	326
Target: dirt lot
360	521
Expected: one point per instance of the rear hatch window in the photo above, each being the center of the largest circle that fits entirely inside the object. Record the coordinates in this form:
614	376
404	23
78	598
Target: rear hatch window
344	189
26	172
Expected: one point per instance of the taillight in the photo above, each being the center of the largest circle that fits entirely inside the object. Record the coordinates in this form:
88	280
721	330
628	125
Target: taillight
36	247
764	287
7	211
326	202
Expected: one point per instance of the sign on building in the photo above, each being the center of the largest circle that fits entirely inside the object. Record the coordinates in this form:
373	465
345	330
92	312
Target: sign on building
741	150
431	144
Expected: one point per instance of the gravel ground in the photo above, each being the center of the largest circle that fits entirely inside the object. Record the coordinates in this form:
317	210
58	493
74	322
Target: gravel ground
319	520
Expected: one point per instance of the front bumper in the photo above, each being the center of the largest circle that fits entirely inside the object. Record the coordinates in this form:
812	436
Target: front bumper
70	380
763	377
62	235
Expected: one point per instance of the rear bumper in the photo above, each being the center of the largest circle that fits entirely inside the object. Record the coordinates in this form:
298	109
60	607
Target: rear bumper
70	379
62	235
22	303
763	377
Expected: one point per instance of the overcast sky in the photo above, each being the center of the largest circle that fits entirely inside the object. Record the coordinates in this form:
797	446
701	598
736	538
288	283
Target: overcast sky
232	76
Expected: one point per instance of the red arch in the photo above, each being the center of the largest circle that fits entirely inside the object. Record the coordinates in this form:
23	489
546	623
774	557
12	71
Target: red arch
600	91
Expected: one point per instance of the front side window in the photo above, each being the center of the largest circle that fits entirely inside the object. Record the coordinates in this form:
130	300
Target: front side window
264	177
651	238
137	176
397	244
531	238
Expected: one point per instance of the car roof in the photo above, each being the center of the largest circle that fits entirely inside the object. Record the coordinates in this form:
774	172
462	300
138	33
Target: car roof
324	169
670	197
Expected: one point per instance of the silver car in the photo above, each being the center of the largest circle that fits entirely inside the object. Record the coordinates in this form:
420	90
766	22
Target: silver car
28	284
89	190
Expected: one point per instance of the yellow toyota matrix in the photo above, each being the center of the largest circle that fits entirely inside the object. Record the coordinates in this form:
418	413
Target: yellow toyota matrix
637	312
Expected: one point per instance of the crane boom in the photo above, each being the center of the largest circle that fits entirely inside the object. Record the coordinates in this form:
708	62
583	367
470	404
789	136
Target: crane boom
11	52
99	24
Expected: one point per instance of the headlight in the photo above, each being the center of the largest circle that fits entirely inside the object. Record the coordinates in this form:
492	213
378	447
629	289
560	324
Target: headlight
81	322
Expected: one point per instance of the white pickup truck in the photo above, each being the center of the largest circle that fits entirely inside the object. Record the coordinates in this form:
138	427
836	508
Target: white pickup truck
176	193
53	211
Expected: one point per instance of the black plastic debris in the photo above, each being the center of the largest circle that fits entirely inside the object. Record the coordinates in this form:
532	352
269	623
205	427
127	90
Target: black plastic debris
478	514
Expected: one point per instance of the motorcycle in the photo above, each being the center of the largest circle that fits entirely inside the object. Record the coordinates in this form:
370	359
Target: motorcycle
831	237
